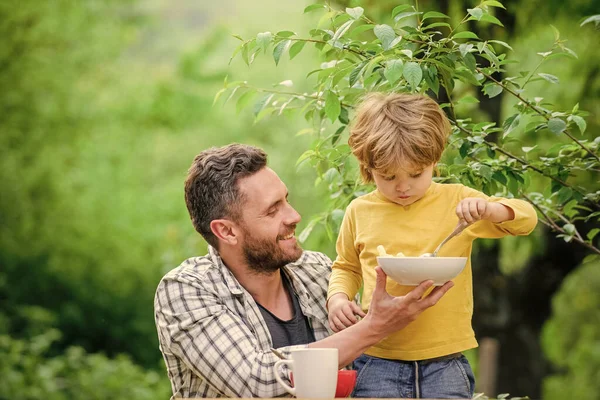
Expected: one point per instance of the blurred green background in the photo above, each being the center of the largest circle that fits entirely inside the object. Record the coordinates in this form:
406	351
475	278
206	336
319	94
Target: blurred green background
104	104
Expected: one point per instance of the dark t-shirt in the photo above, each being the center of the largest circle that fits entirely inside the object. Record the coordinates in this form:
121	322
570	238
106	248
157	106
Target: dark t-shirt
288	333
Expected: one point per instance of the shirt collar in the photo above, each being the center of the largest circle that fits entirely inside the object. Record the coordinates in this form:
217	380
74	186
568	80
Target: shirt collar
232	284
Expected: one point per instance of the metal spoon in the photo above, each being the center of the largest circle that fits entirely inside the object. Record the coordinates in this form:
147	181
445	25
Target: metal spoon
278	354
459	228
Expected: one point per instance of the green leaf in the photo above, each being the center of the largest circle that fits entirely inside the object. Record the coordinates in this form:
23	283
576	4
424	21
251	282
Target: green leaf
491	19
492	3
431	79
244	100
465	35
436	24
465	48
336	136
393	71
486	172
355	74
592	234
492	90
406	15
511	124
308	229
528	149
580	123
476	12
556	125
285	34
468	99
342	30
500	177
279	49
594	18
501	43
413	74
400	8
343	118
564	195
355	12
263	39
219	93
569	228
386	34
238	37
434	14
548	77
296	49
361	29
332	106
262	103
313	7
470	62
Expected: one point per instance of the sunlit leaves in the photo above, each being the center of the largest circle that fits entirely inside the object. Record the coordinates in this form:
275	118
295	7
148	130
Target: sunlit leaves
492	90
511	124
434	14
355	12
263	39
549	78
332	105
314	7
393	71
465	35
477	12
416	58
279	49
386	34
296	49
413	74
557	125
581	124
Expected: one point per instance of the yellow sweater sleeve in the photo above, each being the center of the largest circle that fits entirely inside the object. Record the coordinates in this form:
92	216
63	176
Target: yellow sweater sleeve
346	273
523	224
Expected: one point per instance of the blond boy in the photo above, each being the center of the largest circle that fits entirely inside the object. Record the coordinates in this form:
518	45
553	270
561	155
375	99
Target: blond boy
398	139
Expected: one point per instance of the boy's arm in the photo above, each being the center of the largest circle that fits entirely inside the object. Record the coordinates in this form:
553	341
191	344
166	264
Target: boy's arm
508	216
346	274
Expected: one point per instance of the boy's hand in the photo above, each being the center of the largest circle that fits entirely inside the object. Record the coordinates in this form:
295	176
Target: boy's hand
342	312
472	209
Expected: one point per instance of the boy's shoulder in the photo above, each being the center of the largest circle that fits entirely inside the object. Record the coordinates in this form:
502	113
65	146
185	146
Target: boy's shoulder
363	200
453	189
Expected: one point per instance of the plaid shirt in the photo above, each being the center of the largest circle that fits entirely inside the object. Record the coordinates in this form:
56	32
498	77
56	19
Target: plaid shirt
212	335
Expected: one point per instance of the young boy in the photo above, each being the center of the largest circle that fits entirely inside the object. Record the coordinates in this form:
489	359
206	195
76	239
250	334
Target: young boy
398	140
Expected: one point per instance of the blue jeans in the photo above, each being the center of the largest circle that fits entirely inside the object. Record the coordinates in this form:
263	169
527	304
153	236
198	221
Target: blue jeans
382	378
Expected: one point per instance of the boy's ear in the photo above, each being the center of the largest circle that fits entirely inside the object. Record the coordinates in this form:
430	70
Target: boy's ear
225	230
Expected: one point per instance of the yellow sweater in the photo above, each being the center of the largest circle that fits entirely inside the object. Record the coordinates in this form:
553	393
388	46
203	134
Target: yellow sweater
373	220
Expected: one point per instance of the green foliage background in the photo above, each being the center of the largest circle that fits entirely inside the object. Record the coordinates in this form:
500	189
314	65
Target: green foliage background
103	105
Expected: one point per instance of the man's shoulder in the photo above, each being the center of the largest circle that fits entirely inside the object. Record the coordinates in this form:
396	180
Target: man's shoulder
193	270
312	262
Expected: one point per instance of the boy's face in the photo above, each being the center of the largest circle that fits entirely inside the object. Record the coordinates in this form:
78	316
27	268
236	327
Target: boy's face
406	185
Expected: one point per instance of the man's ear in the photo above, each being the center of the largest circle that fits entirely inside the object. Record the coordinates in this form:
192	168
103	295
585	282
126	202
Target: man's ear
225	230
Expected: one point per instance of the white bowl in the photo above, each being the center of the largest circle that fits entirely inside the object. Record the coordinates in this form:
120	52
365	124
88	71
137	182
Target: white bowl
411	271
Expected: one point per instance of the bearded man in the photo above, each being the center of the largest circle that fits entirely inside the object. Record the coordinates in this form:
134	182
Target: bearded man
219	315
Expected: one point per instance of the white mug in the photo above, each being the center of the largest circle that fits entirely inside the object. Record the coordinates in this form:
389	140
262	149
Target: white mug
315	373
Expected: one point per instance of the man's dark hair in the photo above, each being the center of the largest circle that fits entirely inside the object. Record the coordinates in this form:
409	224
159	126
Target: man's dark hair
211	187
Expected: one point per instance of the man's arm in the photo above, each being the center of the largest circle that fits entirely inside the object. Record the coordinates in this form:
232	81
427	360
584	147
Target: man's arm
386	315
213	342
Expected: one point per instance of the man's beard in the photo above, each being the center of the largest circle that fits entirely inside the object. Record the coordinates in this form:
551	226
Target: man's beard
264	256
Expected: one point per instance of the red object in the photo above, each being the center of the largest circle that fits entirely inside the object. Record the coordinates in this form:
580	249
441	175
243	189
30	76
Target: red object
345	384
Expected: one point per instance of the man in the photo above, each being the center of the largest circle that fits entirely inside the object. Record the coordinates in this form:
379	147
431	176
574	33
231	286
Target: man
219	315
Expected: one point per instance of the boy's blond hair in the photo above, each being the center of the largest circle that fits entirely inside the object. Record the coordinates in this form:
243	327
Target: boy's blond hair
394	130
